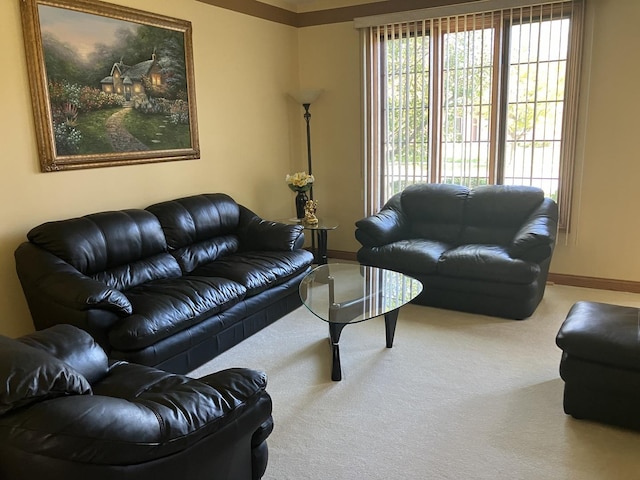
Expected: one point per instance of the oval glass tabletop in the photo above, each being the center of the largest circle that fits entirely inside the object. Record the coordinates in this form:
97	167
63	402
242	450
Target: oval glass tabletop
350	293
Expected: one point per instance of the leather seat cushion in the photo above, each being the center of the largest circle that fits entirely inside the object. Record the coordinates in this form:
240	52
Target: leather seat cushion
602	333
416	255
486	262
258	271
164	307
145	414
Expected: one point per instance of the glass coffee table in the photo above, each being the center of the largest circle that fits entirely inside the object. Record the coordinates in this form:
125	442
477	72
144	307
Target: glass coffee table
341	294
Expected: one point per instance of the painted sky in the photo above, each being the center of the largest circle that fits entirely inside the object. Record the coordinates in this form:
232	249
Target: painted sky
81	30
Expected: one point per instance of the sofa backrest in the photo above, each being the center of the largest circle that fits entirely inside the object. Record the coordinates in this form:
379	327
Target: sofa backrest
435	210
494	213
199	228
120	248
455	214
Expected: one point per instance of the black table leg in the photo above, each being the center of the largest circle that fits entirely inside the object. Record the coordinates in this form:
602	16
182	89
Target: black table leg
390	320
335	329
321	257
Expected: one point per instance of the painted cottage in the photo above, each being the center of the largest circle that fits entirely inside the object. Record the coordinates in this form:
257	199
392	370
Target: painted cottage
128	81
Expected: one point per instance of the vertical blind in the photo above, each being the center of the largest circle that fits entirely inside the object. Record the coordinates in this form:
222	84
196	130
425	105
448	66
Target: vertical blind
472	99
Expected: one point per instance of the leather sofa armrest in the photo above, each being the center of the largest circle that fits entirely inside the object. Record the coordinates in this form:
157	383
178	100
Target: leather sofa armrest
53	278
258	234
536	238
73	346
387	226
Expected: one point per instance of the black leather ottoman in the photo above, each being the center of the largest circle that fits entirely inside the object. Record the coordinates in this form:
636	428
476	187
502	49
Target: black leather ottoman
601	363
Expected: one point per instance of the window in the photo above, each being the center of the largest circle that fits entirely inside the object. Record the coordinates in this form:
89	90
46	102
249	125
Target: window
474	99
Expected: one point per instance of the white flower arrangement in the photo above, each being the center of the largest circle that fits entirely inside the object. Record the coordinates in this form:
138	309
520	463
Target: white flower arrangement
300	181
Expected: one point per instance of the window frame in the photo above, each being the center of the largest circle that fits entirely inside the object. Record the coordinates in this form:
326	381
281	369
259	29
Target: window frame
501	22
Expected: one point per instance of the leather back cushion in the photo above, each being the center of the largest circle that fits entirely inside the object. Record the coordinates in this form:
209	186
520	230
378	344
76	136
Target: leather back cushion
494	213
102	241
199	228
435	211
29	375
121	249
193	256
130	275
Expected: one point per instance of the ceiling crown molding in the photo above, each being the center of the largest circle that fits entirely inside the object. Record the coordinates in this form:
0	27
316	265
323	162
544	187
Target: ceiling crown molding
325	17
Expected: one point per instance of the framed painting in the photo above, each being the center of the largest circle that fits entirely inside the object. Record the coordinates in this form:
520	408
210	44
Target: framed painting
110	85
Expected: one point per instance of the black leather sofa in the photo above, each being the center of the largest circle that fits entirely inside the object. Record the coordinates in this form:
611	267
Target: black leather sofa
68	413
170	286
485	250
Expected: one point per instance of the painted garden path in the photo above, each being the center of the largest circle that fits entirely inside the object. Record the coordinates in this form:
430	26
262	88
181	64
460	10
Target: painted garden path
121	140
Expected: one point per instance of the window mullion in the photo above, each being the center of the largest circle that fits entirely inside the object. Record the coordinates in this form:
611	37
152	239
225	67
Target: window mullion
499	101
435	128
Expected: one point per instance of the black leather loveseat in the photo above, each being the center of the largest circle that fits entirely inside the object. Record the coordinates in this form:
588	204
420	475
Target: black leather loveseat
485	250
170	286
68	413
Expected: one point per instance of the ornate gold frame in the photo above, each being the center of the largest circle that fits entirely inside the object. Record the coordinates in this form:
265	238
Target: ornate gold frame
50	160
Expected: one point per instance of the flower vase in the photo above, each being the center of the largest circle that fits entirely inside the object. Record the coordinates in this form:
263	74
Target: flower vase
301	200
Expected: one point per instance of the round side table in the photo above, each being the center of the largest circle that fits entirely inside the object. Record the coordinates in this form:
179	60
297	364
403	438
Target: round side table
319	231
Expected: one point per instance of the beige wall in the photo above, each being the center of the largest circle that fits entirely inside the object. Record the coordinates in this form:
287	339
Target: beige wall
604	239
329	59
243	67
251	135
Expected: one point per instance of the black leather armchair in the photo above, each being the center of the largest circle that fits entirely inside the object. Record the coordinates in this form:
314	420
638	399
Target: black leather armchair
67	412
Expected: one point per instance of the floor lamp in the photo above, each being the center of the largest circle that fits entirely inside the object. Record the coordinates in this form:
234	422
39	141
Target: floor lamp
306	97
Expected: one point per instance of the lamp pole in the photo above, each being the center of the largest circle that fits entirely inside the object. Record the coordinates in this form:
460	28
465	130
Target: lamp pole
305	98
307	117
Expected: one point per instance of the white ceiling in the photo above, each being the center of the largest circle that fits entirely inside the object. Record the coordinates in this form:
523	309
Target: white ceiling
310	5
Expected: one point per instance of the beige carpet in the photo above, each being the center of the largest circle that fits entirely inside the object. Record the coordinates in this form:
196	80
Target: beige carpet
459	396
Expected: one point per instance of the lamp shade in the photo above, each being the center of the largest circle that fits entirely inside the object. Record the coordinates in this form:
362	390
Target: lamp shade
306	96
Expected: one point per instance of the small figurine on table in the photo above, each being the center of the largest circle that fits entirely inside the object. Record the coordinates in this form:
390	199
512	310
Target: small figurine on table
310	212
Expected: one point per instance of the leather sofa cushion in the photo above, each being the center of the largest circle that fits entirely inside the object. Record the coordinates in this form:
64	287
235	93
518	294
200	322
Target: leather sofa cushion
495	213
602	333
417	255
31	375
258	271
435	211
486	262
190	220
137	414
102	241
191	257
164	307
73	346
132	274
